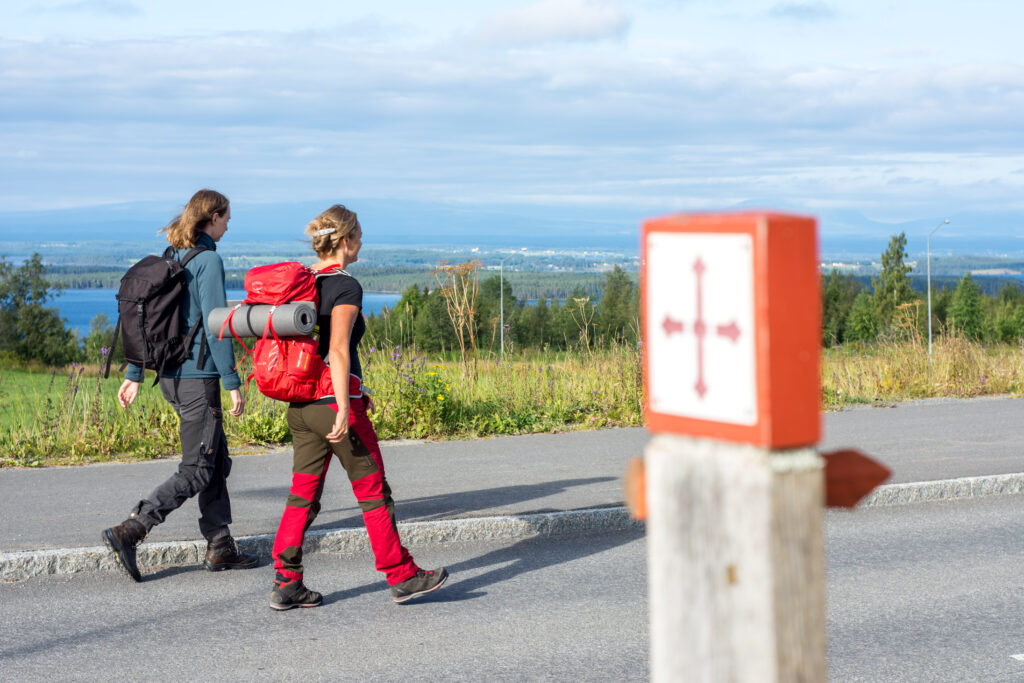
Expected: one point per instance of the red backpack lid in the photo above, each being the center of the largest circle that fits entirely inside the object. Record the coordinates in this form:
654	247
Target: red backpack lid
280	283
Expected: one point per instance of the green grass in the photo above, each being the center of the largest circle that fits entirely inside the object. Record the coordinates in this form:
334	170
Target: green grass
71	416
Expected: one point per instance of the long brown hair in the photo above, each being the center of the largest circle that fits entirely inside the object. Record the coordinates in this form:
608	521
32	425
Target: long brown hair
336	223
184	230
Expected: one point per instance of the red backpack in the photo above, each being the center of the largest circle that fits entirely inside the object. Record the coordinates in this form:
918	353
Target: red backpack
289	368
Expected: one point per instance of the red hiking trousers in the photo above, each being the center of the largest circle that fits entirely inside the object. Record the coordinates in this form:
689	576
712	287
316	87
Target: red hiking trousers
360	456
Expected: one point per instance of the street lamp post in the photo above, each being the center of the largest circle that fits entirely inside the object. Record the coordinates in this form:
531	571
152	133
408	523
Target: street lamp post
501	304
929	285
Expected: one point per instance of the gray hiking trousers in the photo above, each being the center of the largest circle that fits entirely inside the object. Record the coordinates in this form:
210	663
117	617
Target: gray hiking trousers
204	464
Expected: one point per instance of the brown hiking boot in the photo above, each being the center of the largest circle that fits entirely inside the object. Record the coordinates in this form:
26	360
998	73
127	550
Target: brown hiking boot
122	540
223	553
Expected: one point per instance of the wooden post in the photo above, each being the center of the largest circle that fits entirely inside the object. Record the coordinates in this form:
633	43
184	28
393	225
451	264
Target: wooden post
735	490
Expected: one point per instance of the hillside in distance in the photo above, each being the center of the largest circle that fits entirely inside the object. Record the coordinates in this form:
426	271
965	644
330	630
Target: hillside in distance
842	232
383	221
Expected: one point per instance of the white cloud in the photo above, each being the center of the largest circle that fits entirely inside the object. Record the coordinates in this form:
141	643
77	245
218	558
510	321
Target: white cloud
304	115
553	21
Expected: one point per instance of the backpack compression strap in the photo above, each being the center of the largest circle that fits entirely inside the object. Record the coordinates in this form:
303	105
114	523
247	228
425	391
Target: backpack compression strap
113	346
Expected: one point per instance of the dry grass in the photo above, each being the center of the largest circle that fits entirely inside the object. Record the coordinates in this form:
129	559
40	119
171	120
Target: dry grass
900	370
71	417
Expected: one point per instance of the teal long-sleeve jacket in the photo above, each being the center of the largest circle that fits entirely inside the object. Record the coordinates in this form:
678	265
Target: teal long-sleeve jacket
205	277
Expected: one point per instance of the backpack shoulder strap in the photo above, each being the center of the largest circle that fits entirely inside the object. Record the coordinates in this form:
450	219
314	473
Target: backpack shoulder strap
330	270
192	254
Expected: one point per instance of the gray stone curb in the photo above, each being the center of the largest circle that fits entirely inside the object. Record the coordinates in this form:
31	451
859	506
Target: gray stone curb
18	566
23	565
945	489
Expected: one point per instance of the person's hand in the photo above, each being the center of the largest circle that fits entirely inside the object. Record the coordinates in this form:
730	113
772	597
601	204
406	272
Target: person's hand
369	403
340	430
237	403
127	393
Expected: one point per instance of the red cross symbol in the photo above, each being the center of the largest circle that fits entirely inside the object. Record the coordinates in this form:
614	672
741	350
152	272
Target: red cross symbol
730	331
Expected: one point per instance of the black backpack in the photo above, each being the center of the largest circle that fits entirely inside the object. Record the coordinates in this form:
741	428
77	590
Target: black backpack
149	314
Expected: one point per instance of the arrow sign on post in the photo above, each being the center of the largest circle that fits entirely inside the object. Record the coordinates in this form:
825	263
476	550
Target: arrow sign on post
731	484
731	327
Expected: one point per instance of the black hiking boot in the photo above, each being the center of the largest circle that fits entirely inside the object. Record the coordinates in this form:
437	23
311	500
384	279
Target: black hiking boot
223	553
290	593
424	582
122	540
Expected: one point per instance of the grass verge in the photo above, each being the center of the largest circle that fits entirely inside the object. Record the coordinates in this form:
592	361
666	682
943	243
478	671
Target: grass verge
71	416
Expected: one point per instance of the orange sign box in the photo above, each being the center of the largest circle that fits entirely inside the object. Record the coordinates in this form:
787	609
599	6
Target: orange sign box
731	309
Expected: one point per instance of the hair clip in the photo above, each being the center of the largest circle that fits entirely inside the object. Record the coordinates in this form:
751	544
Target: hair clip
325	231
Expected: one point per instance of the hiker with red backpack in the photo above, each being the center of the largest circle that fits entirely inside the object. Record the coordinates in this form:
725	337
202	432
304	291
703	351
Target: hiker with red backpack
157	295
336	423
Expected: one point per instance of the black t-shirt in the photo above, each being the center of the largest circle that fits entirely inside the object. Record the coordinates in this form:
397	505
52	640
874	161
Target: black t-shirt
335	290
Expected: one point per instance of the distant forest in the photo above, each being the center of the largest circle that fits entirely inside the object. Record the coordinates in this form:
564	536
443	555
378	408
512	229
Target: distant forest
529	285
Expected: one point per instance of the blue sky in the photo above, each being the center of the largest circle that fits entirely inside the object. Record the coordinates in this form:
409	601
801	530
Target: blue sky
900	110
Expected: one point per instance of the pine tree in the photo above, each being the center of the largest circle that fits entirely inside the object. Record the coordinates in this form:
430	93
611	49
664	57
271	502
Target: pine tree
863	324
892	287
965	310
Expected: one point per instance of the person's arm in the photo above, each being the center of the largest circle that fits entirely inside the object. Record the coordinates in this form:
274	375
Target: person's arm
209	278
343	318
134	373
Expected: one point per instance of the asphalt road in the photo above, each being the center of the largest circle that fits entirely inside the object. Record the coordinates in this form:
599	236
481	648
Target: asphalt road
935	438
928	592
64	507
555	609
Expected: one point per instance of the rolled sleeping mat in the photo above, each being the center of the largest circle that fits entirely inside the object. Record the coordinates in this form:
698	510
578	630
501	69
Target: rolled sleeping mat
296	319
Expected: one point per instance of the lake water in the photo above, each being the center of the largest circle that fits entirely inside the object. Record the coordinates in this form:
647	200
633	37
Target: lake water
80	306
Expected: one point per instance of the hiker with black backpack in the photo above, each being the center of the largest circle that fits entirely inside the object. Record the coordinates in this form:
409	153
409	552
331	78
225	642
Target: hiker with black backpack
162	303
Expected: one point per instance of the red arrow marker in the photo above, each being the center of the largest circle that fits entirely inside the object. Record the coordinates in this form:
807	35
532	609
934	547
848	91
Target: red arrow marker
849	476
730	331
671	326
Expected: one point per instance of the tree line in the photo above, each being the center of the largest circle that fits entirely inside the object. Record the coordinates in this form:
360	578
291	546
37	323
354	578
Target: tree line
891	308
423	317
530	285
31	331
605	312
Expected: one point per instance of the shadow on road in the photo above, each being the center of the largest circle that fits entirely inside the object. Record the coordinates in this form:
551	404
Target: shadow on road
525	556
442	506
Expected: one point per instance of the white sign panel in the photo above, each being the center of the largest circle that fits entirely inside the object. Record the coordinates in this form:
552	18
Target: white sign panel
700	326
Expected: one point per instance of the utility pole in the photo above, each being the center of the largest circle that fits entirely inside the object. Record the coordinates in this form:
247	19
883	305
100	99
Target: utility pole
928	244
501	304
